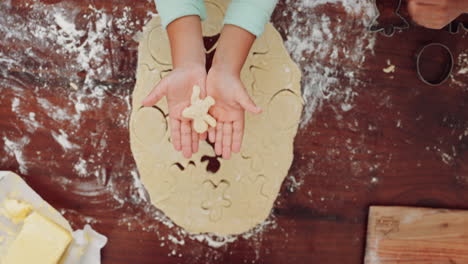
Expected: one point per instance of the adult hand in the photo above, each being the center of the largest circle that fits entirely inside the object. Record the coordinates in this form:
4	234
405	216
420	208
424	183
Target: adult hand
436	14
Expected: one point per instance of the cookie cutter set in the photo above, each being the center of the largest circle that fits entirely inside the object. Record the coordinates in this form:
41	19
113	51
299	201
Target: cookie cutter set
453	28
374	26
456	26
448	68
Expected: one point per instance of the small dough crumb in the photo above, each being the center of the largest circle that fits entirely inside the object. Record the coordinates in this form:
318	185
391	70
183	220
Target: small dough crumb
74	86
390	69
198	111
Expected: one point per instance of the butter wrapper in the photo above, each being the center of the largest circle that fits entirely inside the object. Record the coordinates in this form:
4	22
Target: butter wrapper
86	245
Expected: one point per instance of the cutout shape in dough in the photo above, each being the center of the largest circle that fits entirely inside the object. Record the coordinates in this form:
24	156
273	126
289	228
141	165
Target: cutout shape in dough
239	193
216	199
198	111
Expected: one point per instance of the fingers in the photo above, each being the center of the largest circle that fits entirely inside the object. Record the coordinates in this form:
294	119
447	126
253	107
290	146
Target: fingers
195	94
194	141
203	136
175	134
237	135
247	103
186	139
428	14
412	8
428	2
156	94
202	84
227	140
212	134
219	138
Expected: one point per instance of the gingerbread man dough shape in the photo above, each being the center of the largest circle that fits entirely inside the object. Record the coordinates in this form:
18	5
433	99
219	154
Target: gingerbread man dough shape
198	111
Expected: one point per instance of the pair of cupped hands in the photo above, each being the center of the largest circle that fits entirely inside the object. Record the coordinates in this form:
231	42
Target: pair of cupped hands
231	98
222	82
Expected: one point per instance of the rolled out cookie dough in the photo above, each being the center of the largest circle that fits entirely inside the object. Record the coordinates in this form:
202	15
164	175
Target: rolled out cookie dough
241	192
198	111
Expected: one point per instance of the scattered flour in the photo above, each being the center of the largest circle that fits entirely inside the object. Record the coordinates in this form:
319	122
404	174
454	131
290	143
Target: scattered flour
332	77
62	139
294	183
462	63
174	240
15	149
29	119
80	167
55	112
139	186
15	105
337	46
315	37
213	240
85	41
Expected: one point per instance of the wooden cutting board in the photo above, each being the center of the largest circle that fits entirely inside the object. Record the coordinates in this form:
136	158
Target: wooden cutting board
407	235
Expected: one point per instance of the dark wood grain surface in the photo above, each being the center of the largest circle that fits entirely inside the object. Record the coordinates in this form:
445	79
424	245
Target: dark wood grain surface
401	143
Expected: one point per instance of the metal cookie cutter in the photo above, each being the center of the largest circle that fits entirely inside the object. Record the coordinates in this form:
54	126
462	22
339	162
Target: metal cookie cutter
448	69
456	26
375	27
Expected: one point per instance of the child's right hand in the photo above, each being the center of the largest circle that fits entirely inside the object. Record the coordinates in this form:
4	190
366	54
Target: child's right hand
188	60
177	88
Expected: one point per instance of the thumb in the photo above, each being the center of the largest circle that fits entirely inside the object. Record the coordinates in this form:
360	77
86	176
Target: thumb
247	103
156	94
202	83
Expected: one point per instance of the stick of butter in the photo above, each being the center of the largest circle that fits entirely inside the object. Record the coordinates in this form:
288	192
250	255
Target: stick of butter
40	241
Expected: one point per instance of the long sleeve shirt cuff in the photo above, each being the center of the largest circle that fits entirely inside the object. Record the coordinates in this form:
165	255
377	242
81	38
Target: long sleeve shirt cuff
170	10
251	15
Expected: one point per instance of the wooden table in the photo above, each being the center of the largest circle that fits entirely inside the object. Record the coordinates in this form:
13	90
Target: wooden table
401	143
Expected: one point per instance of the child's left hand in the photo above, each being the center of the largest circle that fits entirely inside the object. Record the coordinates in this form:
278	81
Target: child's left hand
436	14
223	83
232	100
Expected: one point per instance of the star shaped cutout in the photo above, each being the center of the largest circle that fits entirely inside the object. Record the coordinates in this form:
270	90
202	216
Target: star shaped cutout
198	111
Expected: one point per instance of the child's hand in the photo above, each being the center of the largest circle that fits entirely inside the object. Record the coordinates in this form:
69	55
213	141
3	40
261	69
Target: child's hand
224	85
188	60
232	100
177	87
436	14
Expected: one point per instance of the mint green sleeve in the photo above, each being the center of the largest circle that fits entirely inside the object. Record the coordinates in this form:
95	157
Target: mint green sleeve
251	15
170	10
